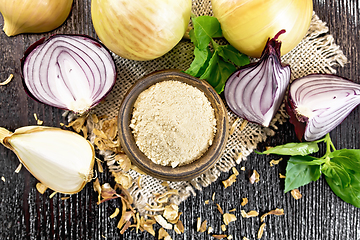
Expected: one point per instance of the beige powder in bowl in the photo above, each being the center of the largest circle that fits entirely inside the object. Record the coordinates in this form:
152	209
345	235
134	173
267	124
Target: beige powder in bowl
173	123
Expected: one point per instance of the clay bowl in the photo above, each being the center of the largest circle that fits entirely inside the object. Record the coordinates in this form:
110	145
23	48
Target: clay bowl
180	173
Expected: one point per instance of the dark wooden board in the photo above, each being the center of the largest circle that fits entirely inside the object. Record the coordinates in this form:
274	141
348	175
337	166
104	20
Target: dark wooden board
320	214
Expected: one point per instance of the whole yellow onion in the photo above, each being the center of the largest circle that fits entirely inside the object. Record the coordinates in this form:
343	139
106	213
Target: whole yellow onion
33	16
247	24
140	29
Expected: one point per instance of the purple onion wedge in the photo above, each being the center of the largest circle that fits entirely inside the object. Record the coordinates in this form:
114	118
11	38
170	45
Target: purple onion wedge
256	91
319	102
72	72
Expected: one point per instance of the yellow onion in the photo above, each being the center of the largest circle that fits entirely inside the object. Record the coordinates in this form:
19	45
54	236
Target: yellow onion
33	16
61	160
140	29
248	24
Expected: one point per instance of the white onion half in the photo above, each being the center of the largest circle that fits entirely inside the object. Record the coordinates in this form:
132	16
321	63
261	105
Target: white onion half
60	159
72	72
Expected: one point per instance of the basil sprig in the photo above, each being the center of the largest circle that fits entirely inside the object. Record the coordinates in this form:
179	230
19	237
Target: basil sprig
217	64
340	167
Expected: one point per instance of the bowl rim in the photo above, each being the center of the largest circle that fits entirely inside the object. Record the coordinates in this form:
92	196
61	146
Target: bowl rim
139	159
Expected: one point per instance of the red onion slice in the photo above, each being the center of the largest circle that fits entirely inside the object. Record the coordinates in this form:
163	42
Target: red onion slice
255	91
320	102
72	72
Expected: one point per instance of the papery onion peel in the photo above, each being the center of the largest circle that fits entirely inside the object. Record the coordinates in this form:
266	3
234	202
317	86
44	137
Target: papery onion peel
33	16
140	29
247	24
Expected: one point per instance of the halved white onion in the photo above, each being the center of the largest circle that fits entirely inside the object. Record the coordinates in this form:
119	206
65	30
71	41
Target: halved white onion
60	159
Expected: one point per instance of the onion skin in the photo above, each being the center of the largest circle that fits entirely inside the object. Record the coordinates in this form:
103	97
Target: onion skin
33	16
318	103
140	29
299	125
48	65
247	24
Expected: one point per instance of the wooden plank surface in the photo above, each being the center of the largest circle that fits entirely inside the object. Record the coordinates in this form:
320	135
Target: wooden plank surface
320	214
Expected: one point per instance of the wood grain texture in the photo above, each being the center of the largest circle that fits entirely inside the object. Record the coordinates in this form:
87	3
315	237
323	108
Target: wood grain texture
319	215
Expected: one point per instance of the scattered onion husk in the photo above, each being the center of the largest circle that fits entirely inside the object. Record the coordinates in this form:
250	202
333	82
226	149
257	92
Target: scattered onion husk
256	91
33	16
318	103
71	72
140	29
247	24
60	159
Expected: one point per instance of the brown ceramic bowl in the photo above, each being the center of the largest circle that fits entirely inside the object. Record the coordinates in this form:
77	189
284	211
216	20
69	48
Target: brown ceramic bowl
180	173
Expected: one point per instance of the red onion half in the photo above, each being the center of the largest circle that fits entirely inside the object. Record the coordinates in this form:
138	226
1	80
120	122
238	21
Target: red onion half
255	91
72	72
319	102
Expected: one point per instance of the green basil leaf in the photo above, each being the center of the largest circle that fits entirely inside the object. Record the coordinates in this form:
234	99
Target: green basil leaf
211	69
215	67
193	37
349	158
298	174
337	173
205	28
294	149
232	55
350	193
200	62
316	161
218	72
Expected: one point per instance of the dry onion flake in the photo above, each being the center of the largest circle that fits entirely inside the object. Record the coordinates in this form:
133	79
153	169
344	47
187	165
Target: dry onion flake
171	212
163	234
115	213
277	212
244	201
275	162
261	230
255	177
219	209
228	182
252	213
41	188
219	236
179	227
161	220
203	226
8	80
296	194
228	218
17	170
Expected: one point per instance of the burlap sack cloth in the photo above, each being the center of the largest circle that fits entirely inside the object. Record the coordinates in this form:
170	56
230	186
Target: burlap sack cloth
317	53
